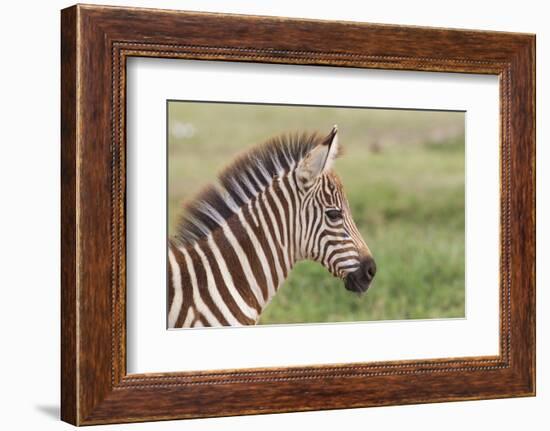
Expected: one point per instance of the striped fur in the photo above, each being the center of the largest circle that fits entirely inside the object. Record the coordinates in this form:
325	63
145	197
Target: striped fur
237	241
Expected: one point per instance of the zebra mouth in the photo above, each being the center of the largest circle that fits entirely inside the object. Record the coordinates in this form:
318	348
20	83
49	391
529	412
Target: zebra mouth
360	280
356	282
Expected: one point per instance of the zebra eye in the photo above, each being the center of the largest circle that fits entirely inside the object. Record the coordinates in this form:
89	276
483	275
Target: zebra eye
334	214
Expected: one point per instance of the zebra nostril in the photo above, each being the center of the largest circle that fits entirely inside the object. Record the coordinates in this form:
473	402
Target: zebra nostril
369	267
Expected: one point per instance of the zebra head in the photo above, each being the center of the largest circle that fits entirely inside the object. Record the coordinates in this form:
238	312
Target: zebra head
328	234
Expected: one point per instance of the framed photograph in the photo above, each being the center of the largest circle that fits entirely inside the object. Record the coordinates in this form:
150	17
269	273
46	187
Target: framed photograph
264	214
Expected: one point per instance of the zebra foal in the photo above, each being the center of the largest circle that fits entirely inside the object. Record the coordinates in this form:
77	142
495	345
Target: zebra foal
237	241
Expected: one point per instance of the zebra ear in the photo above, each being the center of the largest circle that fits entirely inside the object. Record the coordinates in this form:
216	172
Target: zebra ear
320	159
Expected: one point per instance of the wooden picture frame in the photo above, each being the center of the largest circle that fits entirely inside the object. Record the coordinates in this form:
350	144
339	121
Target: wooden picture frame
96	41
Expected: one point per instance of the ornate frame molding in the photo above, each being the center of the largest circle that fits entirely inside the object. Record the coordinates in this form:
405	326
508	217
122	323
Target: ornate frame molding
96	41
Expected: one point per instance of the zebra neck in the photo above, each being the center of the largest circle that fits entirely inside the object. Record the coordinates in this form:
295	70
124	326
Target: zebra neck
235	271
267	229
232	273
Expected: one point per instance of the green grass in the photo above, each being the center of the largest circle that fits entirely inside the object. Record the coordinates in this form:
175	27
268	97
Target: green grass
403	173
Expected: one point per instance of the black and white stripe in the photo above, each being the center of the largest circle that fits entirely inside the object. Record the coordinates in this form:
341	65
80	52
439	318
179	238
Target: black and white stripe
239	239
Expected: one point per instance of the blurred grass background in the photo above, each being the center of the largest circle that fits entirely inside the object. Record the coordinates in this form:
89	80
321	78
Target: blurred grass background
403	173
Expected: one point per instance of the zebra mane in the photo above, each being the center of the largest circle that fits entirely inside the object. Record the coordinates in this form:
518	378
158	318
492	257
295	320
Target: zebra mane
240	182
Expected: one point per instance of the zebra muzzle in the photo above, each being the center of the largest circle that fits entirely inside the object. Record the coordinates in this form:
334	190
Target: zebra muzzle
361	279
